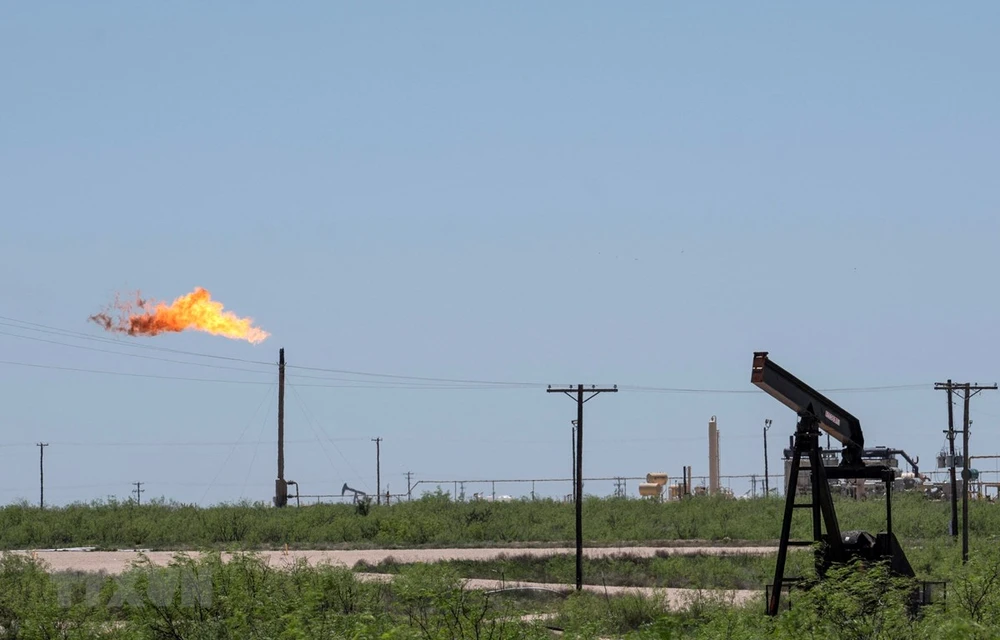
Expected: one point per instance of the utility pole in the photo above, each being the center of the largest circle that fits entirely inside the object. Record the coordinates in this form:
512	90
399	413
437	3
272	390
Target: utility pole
138	492
280	486
578	391
409	488
767	425
965	476
378	469
950	432
41	474
968	390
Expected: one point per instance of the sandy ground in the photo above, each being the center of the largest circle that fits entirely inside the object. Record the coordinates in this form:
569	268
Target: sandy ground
114	562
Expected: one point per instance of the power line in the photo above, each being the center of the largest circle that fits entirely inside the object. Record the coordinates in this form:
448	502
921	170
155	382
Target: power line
422	378
81	336
392	381
317	429
34	326
370	384
218	472
378	384
320	436
130	374
253	459
129	355
901	387
192	443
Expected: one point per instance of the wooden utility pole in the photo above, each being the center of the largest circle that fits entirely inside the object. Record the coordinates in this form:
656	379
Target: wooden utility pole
950	432
577	394
280	486
965	476
378	469
41	474
138	492
967	391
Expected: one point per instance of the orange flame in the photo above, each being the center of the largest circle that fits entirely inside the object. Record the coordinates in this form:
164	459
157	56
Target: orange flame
195	310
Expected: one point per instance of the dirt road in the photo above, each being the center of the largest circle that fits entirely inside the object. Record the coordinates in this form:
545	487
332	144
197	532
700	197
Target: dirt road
114	562
675	598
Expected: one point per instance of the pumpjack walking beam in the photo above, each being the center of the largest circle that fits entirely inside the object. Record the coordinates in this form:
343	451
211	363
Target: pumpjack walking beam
798	396
815	411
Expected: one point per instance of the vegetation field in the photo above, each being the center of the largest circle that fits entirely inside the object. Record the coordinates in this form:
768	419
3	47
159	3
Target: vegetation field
247	598
436	521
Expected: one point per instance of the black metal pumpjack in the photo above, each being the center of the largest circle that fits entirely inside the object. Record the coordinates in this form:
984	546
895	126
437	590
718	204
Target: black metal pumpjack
815	411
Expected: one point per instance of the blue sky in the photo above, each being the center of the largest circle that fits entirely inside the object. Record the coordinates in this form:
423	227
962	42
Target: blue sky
639	195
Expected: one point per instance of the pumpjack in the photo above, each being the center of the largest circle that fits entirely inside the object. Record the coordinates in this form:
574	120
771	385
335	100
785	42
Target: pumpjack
357	492
815	411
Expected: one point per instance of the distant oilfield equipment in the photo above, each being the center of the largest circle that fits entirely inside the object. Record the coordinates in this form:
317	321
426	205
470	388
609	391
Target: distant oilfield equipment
357	492
653	486
655	482
874	456
713	457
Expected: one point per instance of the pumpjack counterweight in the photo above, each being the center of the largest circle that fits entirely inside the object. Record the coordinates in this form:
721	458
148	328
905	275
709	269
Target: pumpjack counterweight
815	412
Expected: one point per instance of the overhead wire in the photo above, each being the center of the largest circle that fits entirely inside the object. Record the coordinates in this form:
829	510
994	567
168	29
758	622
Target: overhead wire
263	401
402	382
253	458
321	436
372	380
312	425
35	326
900	387
128	374
418	378
134	355
190	443
376	384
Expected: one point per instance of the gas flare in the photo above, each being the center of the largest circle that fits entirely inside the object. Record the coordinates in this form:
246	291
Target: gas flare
195	310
